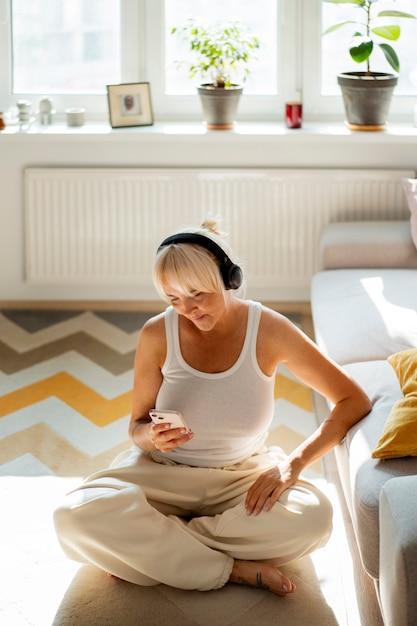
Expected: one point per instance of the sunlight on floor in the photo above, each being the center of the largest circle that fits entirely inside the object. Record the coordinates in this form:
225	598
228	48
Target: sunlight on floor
38	574
332	579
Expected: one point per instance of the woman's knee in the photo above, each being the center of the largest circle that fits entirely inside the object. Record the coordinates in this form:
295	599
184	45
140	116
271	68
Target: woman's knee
67	528
319	517
80	515
323	520
310	514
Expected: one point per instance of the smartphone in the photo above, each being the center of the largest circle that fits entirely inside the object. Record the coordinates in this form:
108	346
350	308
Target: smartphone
168	417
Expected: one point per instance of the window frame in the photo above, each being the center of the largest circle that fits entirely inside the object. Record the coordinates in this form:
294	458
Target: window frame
299	36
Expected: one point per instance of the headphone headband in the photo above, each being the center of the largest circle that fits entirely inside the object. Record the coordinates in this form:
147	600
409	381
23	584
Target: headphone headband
231	273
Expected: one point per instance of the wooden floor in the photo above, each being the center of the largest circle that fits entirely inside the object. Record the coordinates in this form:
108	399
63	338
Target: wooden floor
300	308
366	596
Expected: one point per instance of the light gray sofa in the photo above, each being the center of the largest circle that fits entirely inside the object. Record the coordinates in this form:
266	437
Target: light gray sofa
364	307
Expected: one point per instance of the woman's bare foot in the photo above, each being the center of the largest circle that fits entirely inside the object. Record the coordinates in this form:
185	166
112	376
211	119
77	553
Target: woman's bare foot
263	575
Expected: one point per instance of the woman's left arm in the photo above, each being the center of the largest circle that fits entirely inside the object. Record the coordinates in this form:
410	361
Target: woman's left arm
290	346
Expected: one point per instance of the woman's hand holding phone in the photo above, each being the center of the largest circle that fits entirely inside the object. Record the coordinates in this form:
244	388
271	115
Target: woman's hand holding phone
168	430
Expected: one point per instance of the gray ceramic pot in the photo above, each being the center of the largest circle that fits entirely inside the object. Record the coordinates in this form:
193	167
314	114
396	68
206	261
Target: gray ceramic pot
219	105
367	98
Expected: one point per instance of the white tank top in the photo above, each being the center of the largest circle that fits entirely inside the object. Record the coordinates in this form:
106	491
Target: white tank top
230	412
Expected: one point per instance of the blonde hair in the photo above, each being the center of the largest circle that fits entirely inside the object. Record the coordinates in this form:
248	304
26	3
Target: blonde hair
190	268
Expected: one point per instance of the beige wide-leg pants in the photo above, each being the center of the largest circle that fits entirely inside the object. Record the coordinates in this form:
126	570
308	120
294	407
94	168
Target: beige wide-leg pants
150	523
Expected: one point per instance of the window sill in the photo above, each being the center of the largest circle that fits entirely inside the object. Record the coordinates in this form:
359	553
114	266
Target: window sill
165	130
267	145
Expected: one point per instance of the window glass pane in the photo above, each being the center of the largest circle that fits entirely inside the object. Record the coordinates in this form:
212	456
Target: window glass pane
65	46
258	18
335	46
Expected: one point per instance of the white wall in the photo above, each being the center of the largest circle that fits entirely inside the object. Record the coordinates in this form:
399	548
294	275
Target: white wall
171	146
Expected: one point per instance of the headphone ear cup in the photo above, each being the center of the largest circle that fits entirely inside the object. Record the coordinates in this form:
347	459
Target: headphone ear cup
237	277
232	276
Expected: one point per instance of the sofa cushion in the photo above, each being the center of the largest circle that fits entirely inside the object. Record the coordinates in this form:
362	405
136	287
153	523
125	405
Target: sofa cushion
364	314
363	477
398	553
399	437
367	244
410	188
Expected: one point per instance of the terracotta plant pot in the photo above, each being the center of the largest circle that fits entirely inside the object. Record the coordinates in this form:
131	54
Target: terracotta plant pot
367	98
219	105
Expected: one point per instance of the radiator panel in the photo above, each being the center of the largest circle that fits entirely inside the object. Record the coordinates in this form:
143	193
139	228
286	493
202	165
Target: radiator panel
91	226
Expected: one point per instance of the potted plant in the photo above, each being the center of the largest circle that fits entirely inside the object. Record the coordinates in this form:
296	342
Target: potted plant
219	53
367	94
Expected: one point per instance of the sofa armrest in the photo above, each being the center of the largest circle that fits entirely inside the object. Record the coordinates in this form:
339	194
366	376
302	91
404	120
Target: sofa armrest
398	551
367	245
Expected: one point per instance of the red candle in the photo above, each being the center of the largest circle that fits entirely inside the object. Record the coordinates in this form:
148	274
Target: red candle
293	114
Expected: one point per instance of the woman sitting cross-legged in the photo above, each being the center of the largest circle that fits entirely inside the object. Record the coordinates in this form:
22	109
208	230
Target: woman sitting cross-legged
197	505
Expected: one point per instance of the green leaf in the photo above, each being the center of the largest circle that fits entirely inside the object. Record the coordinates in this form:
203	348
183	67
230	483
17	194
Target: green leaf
388	32
391	56
361	49
360	3
337	25
396	14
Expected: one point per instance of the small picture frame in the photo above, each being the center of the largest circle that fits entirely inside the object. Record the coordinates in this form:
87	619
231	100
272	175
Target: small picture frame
130	105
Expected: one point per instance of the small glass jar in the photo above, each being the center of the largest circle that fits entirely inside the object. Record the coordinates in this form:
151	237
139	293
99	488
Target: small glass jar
293	114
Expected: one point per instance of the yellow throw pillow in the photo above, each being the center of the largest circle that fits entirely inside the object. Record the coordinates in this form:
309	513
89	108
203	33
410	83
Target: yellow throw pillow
399	437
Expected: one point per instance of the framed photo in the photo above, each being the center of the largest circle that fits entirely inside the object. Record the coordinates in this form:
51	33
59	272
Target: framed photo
130	105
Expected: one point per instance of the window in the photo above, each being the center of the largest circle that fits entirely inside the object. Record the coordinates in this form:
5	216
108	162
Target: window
71	49
325	56
66	47
259	18
68	50
173	94
335	56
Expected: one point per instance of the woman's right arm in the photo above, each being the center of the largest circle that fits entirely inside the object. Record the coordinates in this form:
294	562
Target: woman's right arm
149	359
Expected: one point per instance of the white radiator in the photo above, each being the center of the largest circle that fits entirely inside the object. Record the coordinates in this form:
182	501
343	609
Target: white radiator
102	226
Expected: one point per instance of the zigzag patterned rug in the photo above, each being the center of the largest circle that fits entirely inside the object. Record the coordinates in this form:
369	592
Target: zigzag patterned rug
65	381
65	400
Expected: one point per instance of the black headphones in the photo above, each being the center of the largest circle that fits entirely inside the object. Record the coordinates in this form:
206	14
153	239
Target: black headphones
231	273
